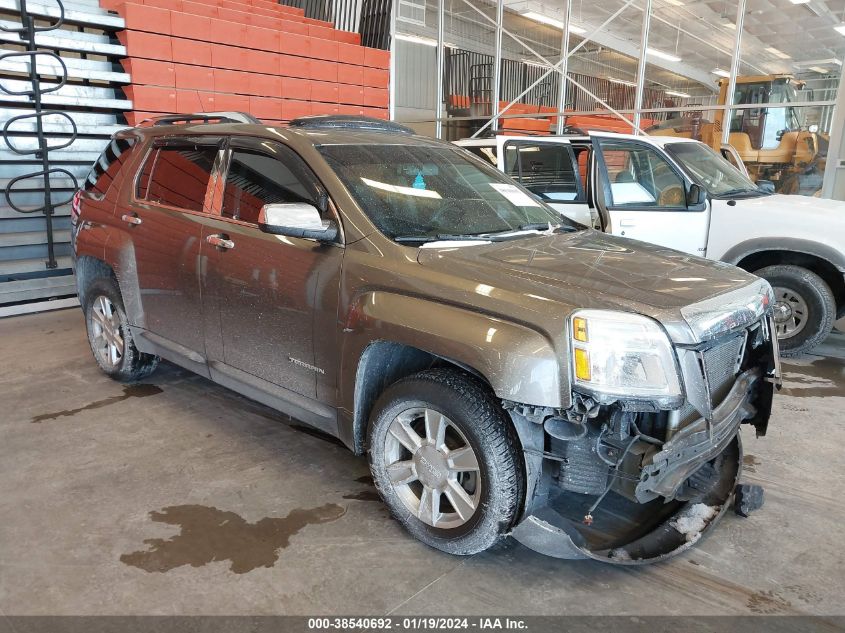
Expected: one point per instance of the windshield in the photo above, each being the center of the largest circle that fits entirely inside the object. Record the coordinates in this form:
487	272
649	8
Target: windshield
414	192
710	170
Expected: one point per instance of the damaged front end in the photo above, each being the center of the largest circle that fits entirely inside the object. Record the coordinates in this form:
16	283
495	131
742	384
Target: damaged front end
628	481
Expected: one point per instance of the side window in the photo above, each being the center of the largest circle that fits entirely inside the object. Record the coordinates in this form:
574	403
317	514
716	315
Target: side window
257	178
639	176
107	167
545	169
177	176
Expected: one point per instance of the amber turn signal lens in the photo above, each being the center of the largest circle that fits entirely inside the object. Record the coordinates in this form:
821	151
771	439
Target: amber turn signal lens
579	329
582	364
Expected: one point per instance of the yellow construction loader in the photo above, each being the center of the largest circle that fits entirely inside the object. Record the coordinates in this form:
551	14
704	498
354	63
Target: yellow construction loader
773	143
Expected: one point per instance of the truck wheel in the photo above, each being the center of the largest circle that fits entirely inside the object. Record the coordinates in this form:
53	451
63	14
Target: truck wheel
110	338
804	307
446	460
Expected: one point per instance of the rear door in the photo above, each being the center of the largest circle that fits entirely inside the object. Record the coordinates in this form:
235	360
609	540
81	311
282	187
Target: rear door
163	219
644	195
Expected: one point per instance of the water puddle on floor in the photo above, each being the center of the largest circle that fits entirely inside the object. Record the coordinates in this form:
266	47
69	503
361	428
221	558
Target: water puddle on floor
370	494
208	534
820	378
129	391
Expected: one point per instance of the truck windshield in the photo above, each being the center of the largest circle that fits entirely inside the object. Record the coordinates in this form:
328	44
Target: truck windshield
711	171
424	193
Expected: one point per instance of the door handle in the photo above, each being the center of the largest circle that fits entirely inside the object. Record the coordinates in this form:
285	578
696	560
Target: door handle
627	223
131	218
220	241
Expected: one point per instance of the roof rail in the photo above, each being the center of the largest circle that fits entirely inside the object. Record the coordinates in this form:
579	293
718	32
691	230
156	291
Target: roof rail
200	117
349	122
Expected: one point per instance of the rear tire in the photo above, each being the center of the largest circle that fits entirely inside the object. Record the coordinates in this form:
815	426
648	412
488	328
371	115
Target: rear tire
805	308
446	460
109	336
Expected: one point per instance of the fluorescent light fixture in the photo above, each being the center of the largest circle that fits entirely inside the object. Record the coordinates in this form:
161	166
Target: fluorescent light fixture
777	53
544	19
662	55
819	69
840	28
624	82
678	94
806	63
799	1
674	3
720	72
416	39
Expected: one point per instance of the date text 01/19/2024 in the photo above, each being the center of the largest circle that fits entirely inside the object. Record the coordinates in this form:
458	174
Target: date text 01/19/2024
416	623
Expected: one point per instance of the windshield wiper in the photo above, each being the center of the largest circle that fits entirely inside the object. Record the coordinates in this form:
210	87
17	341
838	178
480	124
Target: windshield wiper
403	239
739	191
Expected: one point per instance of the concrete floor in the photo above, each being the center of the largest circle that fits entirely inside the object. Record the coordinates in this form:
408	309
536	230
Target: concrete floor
181	497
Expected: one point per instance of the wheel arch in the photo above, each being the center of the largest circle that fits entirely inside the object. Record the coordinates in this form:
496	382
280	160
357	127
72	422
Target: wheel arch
88	270
383	363
821	259
388	333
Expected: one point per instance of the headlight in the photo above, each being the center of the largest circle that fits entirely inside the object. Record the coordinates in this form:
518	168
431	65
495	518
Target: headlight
622	355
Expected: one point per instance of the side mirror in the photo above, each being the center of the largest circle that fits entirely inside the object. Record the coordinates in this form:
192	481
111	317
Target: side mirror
296	219
765	185
696	195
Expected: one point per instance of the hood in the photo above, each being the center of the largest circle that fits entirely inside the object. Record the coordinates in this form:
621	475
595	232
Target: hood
807	208
589	269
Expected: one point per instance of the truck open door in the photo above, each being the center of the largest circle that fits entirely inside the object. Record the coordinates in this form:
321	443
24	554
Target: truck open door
548	168
646	196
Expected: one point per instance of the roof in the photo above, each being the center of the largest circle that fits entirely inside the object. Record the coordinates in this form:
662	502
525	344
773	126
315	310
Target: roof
660	141
315	136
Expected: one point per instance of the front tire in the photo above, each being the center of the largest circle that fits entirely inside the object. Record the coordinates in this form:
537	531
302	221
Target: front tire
445	458
109	336
804	308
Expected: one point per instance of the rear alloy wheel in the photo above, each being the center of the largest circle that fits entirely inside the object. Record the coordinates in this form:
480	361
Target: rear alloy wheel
445	458
109	335
804	307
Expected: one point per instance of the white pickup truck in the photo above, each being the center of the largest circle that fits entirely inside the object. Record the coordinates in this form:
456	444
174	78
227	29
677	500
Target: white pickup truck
681	194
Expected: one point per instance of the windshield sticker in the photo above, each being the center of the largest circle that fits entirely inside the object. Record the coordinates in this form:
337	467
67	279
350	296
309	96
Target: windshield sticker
514	195
405	191
419	181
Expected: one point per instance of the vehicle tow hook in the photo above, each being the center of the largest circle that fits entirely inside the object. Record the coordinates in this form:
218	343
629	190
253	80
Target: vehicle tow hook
747	499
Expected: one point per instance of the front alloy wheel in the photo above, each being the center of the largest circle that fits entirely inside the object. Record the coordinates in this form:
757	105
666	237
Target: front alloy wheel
446	460
433	468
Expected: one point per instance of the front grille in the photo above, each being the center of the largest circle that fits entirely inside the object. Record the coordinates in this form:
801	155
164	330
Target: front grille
721	365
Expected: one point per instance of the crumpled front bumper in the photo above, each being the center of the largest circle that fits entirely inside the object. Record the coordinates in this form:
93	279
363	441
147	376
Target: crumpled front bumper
654	530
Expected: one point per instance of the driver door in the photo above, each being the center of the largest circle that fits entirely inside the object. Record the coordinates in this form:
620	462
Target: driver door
645	195
268	294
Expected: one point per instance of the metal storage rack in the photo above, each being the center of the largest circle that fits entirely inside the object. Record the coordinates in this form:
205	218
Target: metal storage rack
60	101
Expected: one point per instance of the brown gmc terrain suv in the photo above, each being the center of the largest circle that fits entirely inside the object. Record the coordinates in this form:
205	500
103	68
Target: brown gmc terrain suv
506	371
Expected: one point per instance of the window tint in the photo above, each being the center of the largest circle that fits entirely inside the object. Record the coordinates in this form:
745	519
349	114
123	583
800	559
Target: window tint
256	179
177	176
545	169
639	176
108	165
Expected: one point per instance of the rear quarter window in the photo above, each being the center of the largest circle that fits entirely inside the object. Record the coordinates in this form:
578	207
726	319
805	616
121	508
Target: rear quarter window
108	166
